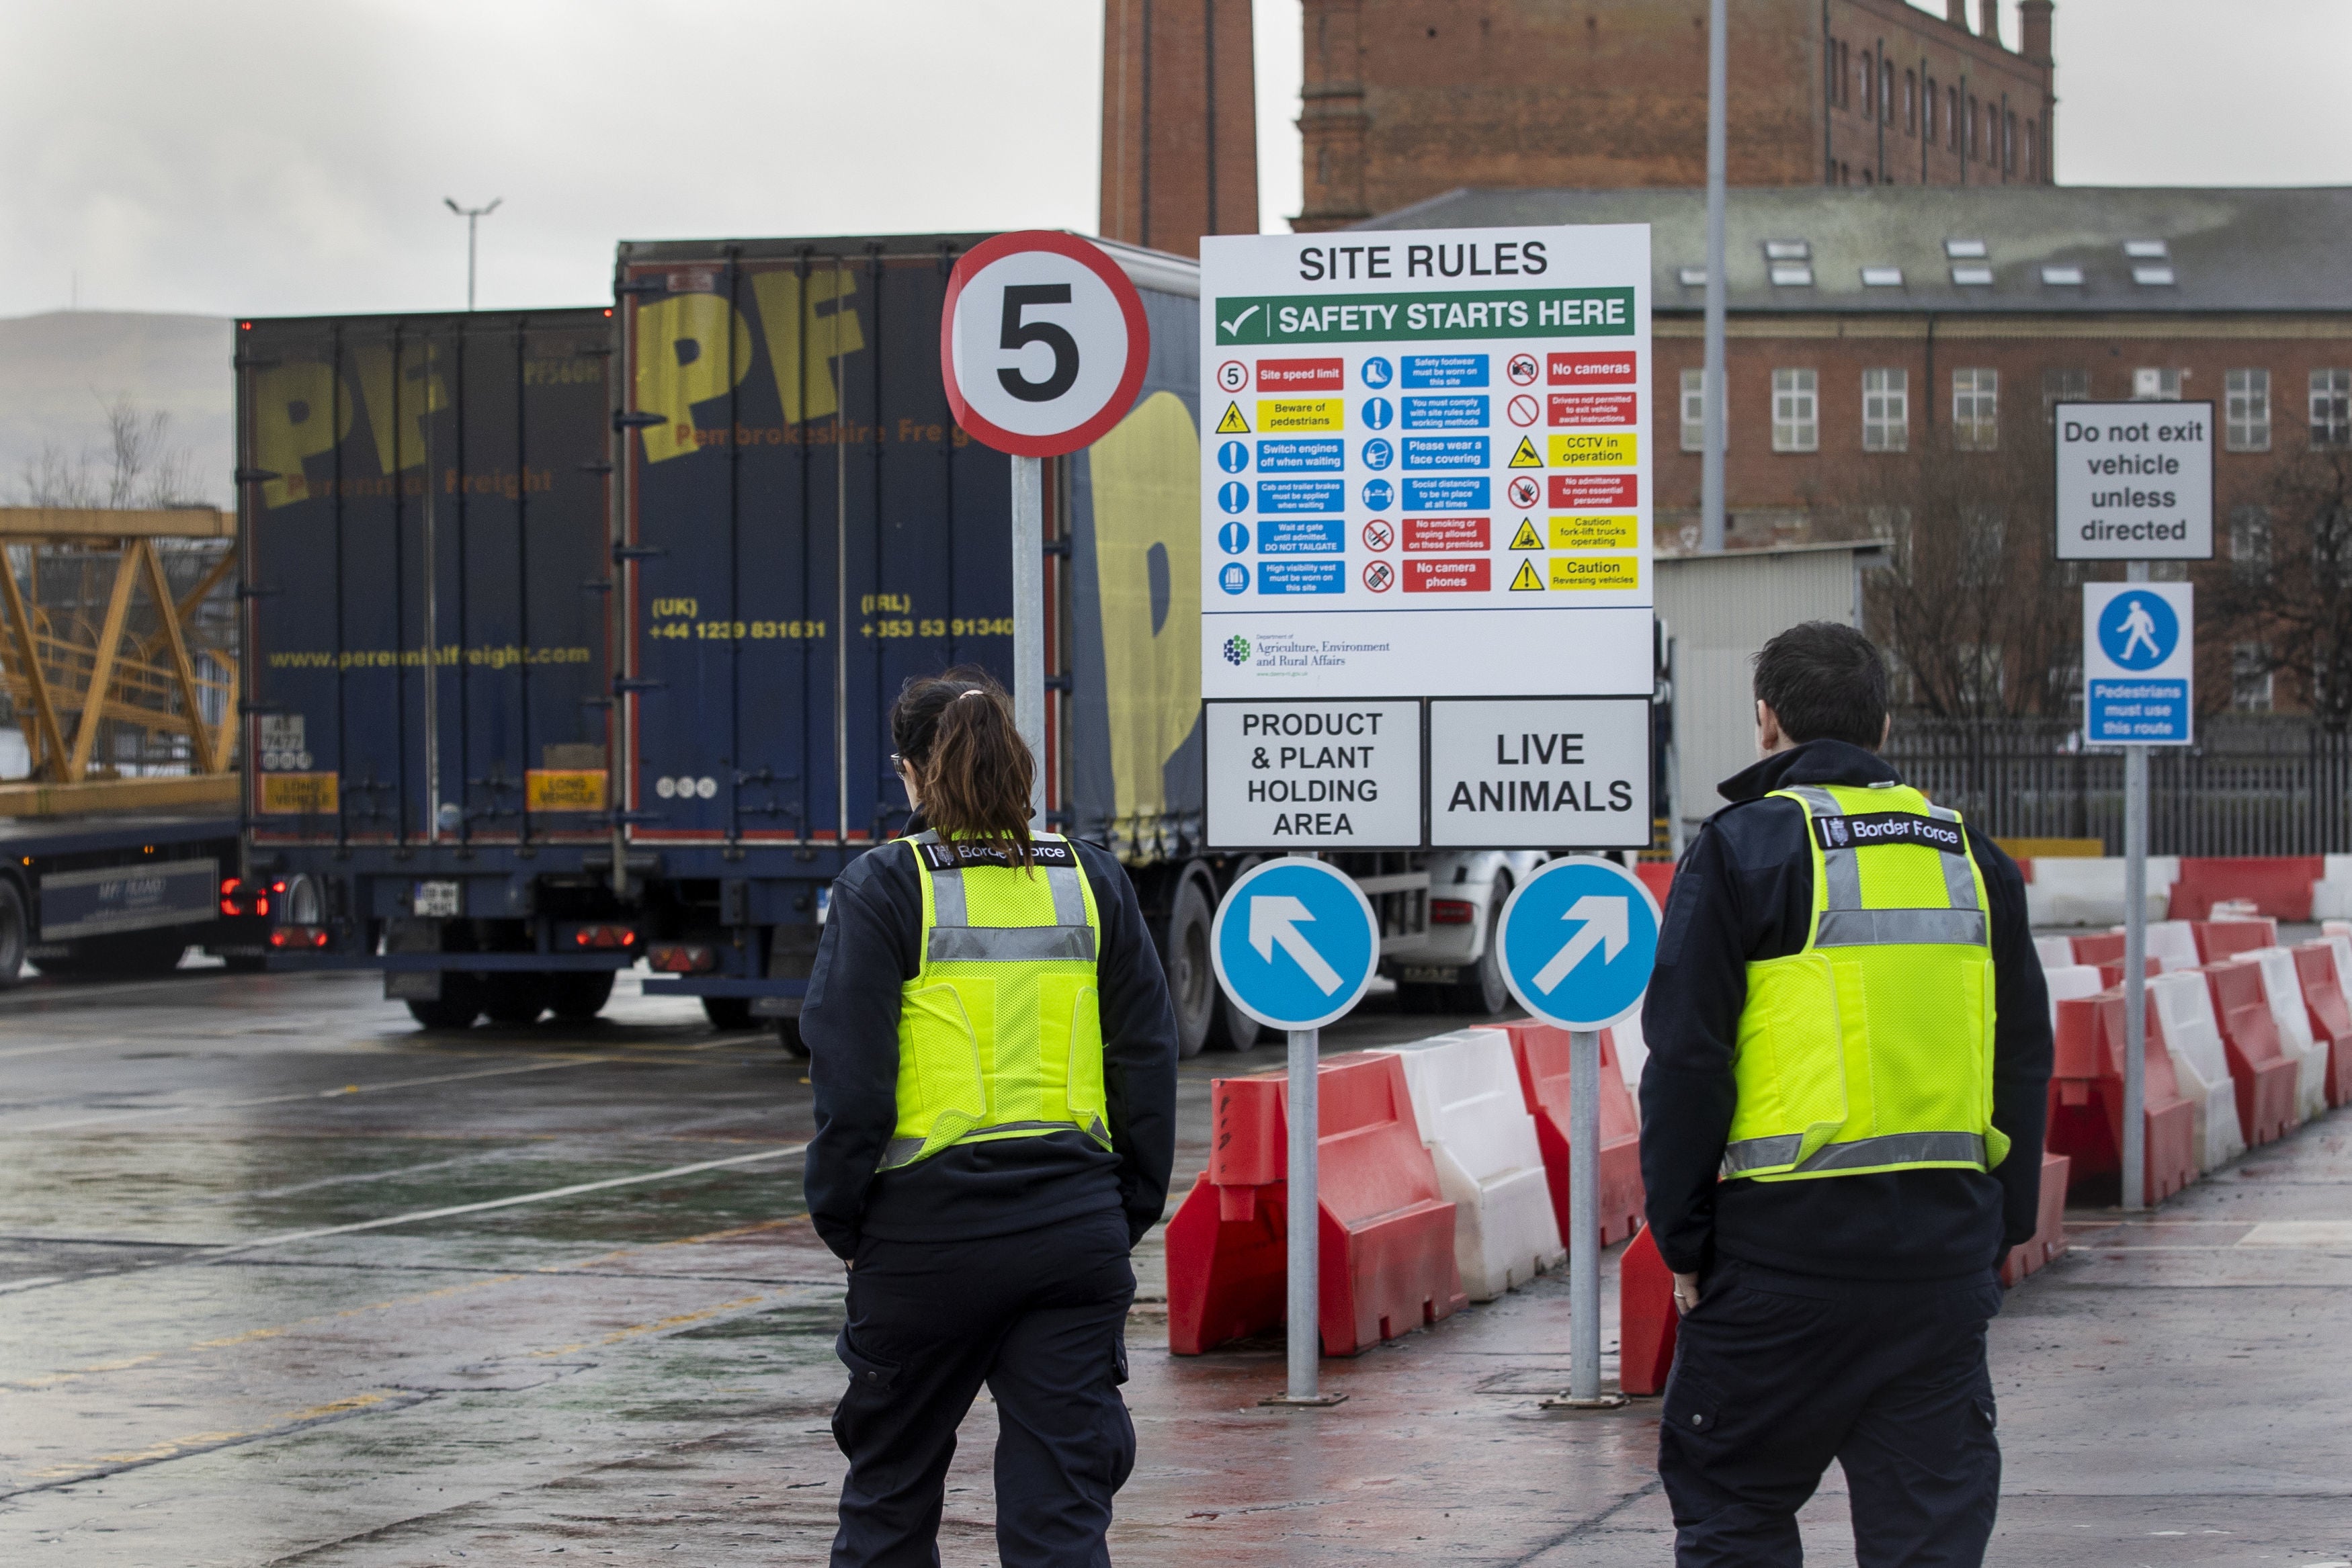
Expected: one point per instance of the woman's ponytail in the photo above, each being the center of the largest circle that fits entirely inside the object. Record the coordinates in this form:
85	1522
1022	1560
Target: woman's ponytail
956	733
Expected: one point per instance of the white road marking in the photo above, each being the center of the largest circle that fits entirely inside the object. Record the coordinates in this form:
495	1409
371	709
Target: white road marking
309	1094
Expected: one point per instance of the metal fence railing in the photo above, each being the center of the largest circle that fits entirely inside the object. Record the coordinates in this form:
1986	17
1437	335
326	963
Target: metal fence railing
2250	785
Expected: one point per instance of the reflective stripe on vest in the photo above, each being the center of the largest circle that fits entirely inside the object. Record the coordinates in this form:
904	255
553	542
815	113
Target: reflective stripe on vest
1000	1032
1871	1048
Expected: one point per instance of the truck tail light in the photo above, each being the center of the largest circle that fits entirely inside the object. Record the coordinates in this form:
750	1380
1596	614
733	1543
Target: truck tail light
605	936
239	897
299	938
682	959
1452	911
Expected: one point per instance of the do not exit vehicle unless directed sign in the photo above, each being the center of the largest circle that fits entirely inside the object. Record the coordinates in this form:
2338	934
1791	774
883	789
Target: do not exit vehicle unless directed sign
2135	481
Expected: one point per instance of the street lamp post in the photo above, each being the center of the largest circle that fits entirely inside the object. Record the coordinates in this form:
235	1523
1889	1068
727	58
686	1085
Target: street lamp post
472	215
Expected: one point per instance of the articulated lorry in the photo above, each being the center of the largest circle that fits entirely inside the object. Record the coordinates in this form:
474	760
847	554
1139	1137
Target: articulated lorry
573	635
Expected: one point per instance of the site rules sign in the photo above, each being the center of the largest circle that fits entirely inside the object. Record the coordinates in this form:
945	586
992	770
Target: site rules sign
2139	659
2135	481
1427	509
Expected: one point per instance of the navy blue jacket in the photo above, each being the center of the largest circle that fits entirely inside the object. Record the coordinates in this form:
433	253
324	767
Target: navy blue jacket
871	948
1744	893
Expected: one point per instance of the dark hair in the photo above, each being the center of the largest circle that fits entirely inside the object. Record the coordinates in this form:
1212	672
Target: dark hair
956	733
1825	682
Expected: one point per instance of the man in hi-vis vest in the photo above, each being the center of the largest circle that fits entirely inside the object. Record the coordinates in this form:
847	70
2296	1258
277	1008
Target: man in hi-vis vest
1842	1121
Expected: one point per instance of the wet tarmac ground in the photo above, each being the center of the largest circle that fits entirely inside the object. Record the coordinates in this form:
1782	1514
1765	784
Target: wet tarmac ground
284	1279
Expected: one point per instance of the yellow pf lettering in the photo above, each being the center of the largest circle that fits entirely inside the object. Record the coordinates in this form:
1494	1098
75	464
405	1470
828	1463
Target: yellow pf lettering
400	391
1147	491
808	388
298	411
687	354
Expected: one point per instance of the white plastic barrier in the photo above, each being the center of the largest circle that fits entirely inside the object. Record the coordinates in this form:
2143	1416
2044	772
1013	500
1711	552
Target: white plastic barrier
1633	1051
2336	927
2091	892
2172	943
2069	981
2331	896
2057	951
2284	986
1475	1121
2192	1038
2341	943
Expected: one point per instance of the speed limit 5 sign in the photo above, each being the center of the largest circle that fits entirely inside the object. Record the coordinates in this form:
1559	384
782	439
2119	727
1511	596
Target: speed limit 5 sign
1041	343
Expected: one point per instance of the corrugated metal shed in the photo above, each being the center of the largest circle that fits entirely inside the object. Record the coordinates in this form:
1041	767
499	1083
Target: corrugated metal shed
2045	248
1720	610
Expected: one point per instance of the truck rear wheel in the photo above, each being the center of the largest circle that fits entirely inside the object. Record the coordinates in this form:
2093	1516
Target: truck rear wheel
458	1005
728	1013
12	935
514	996
788	1036
1479	988
1191	977
577	996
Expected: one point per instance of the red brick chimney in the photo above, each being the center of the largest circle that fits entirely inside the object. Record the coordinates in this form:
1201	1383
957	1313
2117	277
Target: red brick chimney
1989	20
1178	122
2033	26
1956	12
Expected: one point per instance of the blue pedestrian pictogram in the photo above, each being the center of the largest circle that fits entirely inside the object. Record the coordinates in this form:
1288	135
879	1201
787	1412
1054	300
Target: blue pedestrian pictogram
1378	372
2138	630
1378	455
1578	939
1233	538
1295	944
1233	457
1234	578
1379	413
1378	494
1233	495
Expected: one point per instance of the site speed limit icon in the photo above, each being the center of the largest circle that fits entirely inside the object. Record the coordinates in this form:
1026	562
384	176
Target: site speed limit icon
1041	343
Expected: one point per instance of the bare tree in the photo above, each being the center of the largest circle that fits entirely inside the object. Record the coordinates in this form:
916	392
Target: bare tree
2285	594
138	466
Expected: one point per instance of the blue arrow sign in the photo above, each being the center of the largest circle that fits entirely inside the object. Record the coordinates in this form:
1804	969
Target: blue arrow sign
1295	944
1578	939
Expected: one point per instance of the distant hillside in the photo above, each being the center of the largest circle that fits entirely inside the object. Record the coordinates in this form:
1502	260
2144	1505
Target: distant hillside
59	371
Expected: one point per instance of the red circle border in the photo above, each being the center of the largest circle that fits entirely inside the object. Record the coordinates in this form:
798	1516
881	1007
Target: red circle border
1139	342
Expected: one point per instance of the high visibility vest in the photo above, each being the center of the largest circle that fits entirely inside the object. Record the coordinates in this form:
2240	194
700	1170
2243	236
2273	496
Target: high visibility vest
1871	1049
1000	1032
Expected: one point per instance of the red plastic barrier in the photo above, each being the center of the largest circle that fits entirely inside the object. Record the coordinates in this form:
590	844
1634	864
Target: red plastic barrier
1386	1264
1646	1319
1542	1054
2220	939
2331	1019
2086	1098
2101	948
2265	1074
1657	877
2048	1241
2112	975
2278	885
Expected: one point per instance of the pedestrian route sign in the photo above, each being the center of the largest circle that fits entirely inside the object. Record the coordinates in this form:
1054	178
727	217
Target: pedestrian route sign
1295	944
2139	657
1578	939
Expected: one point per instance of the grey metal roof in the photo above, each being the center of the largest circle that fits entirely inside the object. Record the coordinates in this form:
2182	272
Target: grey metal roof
2272	249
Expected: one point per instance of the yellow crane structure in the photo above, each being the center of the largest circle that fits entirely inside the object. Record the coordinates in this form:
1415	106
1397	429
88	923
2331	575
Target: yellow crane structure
123	647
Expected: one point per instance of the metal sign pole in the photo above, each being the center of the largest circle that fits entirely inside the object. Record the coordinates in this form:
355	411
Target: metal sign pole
1584	1218
1029	620
2135	1154
1304	1320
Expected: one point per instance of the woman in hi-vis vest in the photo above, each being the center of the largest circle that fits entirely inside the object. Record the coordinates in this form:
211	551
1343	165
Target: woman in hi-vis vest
994	1063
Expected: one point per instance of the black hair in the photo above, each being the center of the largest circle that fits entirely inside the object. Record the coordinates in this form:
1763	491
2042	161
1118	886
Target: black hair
1825	682
955	732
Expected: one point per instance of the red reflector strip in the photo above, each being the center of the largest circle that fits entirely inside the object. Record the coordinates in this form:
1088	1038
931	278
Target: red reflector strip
1452	911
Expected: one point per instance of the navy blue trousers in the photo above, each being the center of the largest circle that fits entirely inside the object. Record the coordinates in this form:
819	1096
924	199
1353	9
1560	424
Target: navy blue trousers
1040	1317
1776	1374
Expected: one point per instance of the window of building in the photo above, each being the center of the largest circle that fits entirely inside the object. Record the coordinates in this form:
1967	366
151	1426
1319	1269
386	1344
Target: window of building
1952	118
1830	72
1974	134
1928	111
2063	386
2247	405
1869	86
2031	151
2251	681
1976	410
2331	410
1910	103
1694	413
1845	77
2151	384
1796	412
2008	142
1886	91
2250	543
1886	411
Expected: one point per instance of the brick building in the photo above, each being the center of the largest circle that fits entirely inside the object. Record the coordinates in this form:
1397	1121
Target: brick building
1872	336
1405	99
1178	122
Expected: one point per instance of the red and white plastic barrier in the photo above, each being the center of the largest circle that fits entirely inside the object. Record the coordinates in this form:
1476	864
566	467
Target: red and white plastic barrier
2200	1064
1542	1055
1647	1323
2330	1011
2086	1098
2267	1077
1475	1126
1386	1262
2048	1243
2284	989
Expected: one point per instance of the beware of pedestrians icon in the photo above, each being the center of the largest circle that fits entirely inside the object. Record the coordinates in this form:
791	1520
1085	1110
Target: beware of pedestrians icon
1578	939
1233	423
1295	944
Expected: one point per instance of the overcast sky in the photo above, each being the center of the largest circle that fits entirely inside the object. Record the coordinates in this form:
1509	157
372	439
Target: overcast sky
272	157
